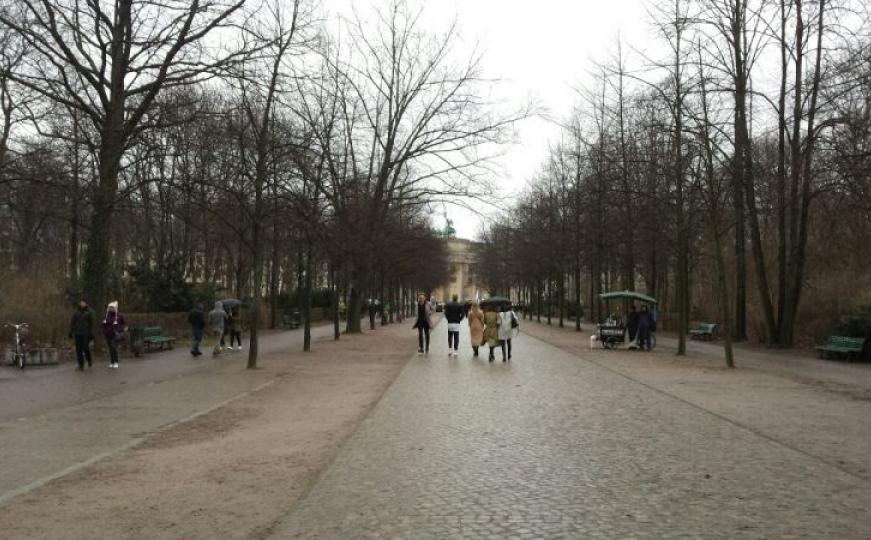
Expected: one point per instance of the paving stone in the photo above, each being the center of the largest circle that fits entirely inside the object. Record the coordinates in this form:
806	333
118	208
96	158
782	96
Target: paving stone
552	446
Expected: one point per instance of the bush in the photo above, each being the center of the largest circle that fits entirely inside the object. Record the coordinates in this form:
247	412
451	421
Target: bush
321	298
163	288
855	323
574	309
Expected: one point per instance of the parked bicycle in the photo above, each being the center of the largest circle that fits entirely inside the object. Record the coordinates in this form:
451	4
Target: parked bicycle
20	354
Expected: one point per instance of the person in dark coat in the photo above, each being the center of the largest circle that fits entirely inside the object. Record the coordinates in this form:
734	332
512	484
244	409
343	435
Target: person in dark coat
232	327
632	323
197	320
82	331
645	326
454	314
114	327
423	323
374	307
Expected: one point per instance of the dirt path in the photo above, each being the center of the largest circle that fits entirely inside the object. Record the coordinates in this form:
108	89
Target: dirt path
231	472
804	404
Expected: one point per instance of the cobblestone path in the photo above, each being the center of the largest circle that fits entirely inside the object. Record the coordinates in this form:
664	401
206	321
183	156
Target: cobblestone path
549	445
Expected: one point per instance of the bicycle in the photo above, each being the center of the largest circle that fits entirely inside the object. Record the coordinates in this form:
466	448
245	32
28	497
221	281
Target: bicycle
20	354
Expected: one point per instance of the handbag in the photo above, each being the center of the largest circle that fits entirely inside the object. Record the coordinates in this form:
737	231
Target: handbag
514	322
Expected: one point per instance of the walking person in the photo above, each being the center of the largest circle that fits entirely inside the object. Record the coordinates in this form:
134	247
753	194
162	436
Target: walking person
507	323
645	326
197	320
476	326
114	327
423	323
217	318
454	313
491	328
373	311
632	324
82	331
233	329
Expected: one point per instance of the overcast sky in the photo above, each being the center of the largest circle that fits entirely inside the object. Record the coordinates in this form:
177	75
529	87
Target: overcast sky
540	50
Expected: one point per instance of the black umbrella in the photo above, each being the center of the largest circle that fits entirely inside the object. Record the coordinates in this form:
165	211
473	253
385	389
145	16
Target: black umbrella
231	302
496	301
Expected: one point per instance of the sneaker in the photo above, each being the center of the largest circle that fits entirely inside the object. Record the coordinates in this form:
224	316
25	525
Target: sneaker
239	348
115	366
420	351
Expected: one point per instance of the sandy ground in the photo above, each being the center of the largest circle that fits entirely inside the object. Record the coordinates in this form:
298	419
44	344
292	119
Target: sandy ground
230	473
821	408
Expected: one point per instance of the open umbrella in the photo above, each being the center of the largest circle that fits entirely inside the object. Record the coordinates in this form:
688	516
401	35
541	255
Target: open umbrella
231	302
627	295
496	301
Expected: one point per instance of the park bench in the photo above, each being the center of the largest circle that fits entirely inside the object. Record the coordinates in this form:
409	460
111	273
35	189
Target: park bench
704	331
842	346
152	336
291	320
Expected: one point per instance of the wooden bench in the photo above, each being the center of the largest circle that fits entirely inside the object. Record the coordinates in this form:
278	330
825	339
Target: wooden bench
704	331
152	336
842	346
291	320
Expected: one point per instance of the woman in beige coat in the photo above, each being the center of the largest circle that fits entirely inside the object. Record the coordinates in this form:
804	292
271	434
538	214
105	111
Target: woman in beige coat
491	328
476	326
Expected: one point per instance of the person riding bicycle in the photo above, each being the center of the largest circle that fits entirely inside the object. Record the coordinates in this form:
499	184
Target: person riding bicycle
82	331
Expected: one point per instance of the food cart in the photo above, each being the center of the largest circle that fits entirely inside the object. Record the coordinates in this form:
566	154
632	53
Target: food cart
613	332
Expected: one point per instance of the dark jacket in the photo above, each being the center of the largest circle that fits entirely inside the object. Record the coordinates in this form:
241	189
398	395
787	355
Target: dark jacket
454	312
197	319
82	323
645	324
230	322
113	325
424	316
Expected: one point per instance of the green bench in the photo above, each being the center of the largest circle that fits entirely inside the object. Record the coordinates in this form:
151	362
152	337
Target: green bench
291	320
152	336
705	331
842	346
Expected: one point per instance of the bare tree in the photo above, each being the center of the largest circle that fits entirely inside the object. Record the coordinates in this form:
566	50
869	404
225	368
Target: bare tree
417	127
110	62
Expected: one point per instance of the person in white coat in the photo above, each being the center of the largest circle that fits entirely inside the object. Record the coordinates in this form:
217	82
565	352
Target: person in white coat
508	324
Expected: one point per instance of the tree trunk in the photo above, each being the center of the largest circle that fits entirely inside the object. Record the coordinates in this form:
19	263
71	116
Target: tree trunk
336	289
307	299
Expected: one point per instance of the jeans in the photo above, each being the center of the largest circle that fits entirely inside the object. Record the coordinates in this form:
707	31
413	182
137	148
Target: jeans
112	344
423	331
195	344
503	344
219	341
453	340
83	349
237	336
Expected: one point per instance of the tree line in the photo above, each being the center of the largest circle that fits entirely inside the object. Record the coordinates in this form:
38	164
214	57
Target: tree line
257	148
723	169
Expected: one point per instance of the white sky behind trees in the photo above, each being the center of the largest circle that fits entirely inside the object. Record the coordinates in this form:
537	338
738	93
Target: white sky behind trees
540	51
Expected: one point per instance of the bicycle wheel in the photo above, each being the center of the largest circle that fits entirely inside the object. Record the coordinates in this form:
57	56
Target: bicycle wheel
20	359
